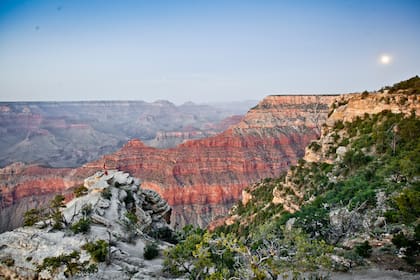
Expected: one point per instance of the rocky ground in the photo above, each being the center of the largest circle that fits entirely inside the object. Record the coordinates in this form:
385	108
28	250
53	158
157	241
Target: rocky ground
120	213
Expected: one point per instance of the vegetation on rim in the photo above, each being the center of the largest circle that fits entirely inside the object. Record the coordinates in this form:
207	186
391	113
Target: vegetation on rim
377	178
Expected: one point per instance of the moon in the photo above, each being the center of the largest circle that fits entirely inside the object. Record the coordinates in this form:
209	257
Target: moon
385	59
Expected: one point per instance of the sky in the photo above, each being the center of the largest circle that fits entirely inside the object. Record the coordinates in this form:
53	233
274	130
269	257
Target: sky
203	51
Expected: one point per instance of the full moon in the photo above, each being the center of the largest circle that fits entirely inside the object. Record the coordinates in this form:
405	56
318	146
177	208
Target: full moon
385	59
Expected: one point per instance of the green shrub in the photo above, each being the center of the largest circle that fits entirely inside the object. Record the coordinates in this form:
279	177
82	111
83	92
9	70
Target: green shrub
344	142
410	244
151	251
132	217
314	146
87	210
364	250
83	226
70	261
165	234
55	208
98	250
80	191
408	205
338	125
32	216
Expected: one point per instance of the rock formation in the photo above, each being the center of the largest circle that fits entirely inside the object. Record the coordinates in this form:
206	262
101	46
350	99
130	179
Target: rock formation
357	188
349	107
69	134
202	178
119	214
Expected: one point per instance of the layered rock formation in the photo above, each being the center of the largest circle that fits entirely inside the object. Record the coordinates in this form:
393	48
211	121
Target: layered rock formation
119	213
349	107
202	178
350	188
69	134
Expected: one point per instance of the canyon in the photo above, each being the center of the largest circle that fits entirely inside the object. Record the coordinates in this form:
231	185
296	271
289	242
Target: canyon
69	134
200	179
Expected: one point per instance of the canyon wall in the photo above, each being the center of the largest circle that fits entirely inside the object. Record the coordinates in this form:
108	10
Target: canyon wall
69	134
202	178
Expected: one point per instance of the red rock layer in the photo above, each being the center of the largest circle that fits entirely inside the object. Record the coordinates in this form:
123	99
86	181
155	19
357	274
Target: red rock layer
201	178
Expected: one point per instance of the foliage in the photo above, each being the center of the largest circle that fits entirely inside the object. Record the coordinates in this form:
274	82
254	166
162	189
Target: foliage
383	155
204	255
364	249
55	212
132	217
98	250
32	216
83	226
365	94
86	210
407	205
338	125
165	234
411	245
151	251
314	146
80	191
412	85
57	202
71	262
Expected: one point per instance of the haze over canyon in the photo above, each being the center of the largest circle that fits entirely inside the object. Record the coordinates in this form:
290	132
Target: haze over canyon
201	178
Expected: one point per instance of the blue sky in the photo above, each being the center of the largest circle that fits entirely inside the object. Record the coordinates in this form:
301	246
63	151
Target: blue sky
203	51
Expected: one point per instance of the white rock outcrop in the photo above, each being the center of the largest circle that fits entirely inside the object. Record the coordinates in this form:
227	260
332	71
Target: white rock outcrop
113	199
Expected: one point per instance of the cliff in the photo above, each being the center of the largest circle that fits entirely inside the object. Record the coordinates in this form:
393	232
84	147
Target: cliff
102	234
202	178
69	134
356	189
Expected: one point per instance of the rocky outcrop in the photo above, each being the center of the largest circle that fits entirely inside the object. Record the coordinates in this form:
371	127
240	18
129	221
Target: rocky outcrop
347	108
201	179
110	205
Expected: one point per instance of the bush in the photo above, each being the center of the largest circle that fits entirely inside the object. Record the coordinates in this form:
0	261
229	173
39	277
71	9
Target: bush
71	262
86	210
411	244
55	207
132	217
364	250
151	251
338	125
408	203
314	146
83	226
80	191
165	234
365	94
31	217
98	250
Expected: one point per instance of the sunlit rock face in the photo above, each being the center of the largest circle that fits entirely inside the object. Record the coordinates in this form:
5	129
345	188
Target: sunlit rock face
202	178
347	108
